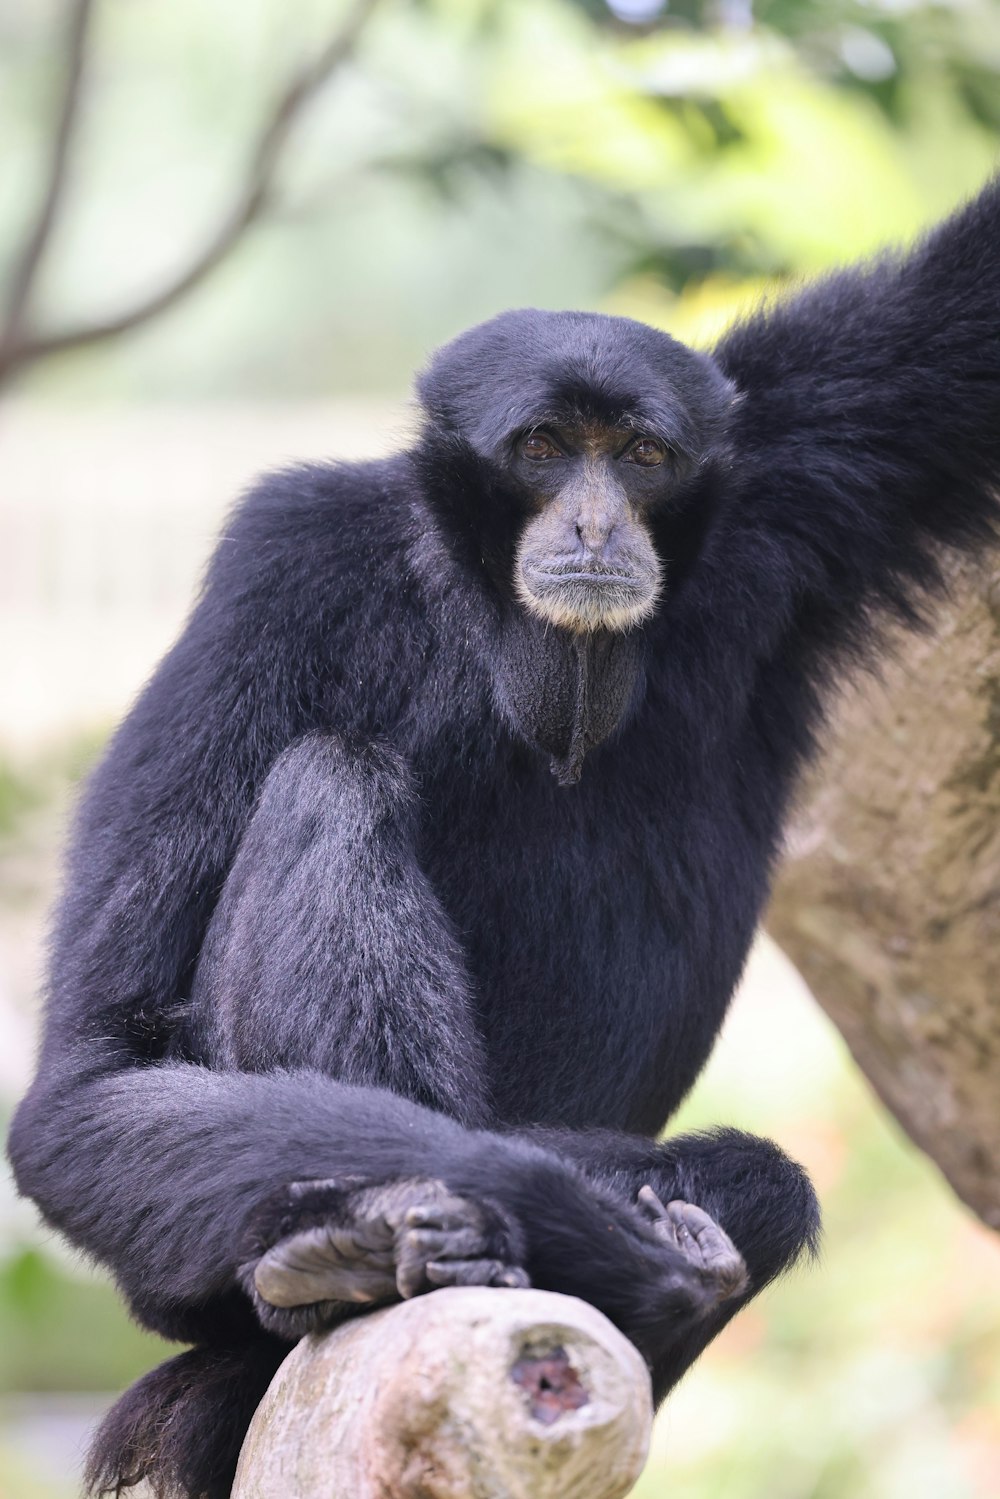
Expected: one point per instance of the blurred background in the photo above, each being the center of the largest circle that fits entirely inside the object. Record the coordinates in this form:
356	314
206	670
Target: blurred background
228	234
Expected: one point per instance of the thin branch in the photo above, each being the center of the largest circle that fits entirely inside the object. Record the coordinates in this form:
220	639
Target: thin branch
55	178
250	204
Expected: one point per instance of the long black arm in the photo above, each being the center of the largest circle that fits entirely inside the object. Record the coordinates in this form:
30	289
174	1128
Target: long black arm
866	435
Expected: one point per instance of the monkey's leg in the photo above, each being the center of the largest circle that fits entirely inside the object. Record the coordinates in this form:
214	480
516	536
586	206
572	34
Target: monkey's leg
329	949
735	1206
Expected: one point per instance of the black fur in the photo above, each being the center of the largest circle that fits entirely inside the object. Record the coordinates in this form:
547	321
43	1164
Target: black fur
185	1421
419	945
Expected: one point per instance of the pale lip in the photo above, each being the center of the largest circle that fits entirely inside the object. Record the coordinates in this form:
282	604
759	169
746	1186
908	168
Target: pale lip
592	575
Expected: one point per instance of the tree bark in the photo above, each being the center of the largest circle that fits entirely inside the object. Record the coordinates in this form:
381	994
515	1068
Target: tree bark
462	1394
889	898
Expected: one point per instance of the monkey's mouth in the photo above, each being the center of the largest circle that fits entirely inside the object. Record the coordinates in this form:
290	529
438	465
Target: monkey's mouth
586	597
599	576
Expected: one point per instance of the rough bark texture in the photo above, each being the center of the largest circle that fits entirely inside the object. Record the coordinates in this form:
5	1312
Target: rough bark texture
462	1394
889	902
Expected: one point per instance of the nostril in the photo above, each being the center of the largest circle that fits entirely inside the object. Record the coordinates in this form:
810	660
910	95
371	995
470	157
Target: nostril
593	539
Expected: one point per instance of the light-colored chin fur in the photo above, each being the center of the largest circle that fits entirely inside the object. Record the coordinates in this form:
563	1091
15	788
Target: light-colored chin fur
585	607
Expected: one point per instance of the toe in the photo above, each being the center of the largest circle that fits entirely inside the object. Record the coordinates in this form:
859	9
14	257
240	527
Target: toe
656	1215
709	1247
432	1244
476	1273
444	1215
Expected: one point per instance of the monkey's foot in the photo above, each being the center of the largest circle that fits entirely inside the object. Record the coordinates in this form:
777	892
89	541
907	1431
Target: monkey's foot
358	1245
446	1240
707	1248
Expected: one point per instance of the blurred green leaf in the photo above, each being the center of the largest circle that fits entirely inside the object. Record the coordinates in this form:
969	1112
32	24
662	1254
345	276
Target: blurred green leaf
66	1332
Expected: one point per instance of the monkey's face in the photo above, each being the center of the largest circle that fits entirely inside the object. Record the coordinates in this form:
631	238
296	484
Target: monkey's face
558	446
585	559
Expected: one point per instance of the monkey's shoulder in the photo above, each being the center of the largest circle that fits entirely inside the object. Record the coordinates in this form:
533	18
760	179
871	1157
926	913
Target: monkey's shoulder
333	522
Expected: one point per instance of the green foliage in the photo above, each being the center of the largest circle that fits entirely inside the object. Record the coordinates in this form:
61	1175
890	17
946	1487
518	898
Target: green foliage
26	789
63	1330
18	795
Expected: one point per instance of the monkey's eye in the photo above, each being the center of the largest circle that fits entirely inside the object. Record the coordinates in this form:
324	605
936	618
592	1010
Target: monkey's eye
646	451
538	447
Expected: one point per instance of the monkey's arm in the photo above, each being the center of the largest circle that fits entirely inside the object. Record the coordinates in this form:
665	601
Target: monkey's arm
866	434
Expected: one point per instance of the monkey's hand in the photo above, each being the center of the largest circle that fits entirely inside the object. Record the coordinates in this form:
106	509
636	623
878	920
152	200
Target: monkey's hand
322	1250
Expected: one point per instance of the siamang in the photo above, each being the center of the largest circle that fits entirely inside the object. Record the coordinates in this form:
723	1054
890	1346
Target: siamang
408	900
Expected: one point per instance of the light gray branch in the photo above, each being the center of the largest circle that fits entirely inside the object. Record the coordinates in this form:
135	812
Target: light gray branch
487	1394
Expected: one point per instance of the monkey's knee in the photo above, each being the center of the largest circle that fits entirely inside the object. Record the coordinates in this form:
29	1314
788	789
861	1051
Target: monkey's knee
327	813
322	878
327	780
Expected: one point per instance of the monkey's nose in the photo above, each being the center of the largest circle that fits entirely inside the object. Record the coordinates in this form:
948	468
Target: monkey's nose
593	536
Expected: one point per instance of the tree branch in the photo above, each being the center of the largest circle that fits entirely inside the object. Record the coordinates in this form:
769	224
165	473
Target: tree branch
248	207
889	899
55	178
483	1393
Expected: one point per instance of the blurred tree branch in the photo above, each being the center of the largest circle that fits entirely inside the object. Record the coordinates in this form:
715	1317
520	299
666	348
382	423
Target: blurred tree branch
22	345
55	178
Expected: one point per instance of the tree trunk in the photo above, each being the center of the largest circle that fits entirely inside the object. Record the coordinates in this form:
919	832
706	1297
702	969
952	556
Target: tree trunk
462	1394
889	898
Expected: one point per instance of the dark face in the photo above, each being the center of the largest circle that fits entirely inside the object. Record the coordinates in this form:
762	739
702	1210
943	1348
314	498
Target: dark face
592	428
585	559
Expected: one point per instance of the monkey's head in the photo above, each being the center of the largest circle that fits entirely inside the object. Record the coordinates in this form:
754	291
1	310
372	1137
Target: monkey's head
588	431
